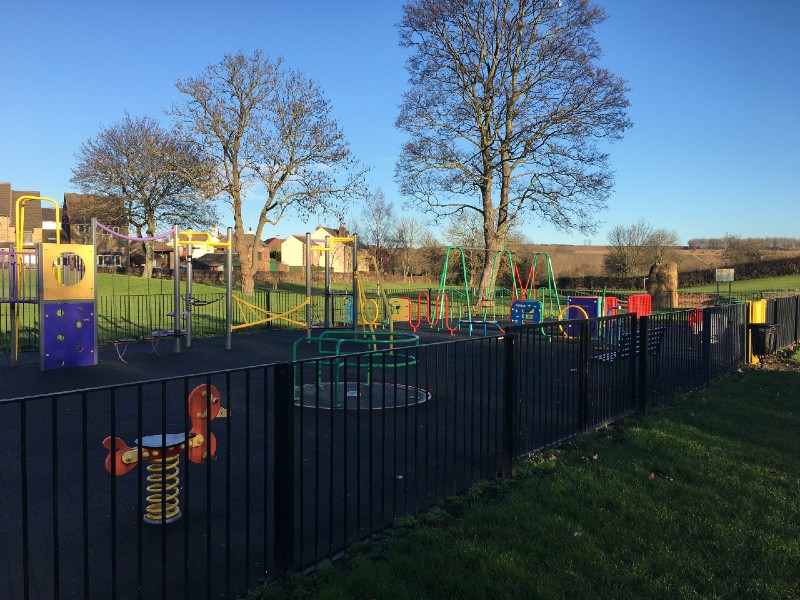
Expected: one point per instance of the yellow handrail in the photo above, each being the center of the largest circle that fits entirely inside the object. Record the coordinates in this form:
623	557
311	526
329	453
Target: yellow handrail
19	213
206	242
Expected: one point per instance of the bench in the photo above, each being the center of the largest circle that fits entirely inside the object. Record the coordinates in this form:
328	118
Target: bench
629	345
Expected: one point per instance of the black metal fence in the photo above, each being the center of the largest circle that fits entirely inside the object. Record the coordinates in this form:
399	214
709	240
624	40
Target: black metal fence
313	454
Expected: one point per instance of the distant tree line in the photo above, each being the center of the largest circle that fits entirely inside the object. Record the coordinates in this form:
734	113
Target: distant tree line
767	243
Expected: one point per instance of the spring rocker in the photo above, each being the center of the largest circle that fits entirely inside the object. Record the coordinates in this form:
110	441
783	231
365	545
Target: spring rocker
162	453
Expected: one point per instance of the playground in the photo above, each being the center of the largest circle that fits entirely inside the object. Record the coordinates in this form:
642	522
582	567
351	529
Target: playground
57	284
390	431
209	463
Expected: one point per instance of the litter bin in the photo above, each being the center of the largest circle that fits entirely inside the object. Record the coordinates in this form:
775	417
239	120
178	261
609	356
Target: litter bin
764	338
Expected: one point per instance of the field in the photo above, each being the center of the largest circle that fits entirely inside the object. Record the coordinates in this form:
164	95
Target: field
785	282
575	261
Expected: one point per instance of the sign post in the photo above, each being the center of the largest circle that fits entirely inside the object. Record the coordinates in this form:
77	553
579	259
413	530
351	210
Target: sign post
723	275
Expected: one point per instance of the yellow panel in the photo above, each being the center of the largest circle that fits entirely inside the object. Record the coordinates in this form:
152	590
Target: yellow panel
399	309
56	277
757	313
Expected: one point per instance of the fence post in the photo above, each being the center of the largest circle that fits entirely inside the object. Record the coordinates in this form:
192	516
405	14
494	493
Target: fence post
643	343
797	319
705	347
585	329
284	469
511	405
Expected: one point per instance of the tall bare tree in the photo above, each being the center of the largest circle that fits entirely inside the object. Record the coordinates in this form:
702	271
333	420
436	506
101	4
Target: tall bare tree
377	226
505	111
161	178
407	236
634	248
263	123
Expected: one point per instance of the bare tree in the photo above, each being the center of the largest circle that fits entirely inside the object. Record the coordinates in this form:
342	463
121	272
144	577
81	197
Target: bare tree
506	108
466	231
377	227
407	236
263	123
161	178
634	248
742	250
429	256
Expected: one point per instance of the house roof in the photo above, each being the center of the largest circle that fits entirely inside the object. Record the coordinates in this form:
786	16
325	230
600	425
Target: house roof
80	208
250	239
329	230
212	259
33	210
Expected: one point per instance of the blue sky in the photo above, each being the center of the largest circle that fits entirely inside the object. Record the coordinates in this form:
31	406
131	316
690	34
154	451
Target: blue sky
715	96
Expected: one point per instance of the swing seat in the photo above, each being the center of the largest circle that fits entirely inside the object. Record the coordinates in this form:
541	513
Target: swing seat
162	333
121	346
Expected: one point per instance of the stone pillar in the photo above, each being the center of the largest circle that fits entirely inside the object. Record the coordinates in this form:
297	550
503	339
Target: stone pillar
662	285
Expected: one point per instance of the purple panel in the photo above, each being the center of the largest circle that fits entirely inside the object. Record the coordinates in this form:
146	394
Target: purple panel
68	335
591	304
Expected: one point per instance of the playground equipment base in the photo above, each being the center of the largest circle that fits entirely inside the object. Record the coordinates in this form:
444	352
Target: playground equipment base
361	396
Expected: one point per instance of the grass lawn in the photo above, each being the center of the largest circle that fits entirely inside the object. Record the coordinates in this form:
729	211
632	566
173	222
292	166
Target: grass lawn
784	282
122	285
700	499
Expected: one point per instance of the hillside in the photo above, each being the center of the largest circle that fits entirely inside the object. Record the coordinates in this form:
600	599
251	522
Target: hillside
576	261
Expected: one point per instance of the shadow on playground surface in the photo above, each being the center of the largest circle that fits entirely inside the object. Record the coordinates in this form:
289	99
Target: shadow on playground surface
143	361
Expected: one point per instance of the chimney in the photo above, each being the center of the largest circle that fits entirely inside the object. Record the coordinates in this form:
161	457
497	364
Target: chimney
342	230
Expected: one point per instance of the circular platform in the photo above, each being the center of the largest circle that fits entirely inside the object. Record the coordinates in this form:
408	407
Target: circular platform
363	396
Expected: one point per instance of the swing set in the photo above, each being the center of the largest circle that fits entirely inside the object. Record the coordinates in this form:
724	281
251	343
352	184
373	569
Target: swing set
529	304
183	303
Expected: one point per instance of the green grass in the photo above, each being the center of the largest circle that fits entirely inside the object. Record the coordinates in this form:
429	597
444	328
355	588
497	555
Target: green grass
697	500
784	282
122	285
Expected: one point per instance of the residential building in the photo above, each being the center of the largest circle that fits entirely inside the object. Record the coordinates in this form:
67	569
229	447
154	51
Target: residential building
76	222
40	218
293	251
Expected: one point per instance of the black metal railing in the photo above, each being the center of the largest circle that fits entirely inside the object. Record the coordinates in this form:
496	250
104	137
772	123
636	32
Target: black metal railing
314	454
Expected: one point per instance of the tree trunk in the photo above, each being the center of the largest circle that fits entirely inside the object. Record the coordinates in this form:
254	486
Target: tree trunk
486	286
248	283
245	257
248	273
147	271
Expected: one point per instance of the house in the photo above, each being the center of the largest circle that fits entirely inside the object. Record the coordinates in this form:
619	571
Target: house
204	256
274	246
293	251
40	218
76	222
262	252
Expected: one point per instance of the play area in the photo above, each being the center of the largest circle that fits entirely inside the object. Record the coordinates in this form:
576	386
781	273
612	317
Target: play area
144	468
60	281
